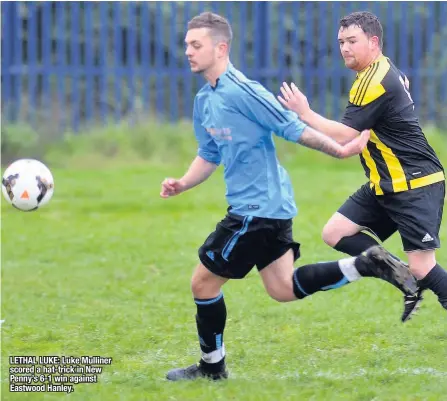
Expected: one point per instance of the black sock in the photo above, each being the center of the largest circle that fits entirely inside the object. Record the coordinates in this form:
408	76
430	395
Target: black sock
436	280
317	277
355	244
210	318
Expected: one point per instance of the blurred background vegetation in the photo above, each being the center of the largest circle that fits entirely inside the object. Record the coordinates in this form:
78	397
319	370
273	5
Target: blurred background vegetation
115	71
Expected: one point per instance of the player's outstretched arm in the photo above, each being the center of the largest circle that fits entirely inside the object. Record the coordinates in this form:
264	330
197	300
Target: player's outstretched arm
318	141
294	100
198	171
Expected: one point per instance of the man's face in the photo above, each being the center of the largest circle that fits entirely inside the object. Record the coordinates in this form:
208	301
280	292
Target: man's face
200	49
356	48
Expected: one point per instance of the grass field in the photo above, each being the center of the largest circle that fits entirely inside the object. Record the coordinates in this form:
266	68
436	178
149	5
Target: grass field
105	268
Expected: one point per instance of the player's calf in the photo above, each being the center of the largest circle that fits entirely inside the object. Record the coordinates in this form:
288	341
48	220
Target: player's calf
281	290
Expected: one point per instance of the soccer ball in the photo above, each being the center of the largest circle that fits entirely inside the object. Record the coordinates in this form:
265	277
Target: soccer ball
27	184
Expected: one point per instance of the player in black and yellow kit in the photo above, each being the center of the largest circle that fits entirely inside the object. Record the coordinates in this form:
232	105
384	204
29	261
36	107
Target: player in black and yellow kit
406	187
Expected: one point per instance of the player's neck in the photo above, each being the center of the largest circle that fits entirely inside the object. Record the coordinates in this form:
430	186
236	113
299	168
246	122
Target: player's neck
372	61
212	74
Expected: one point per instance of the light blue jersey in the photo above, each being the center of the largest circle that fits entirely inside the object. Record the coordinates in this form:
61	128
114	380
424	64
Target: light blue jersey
233	123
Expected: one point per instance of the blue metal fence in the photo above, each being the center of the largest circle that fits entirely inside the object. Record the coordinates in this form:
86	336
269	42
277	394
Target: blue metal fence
75	63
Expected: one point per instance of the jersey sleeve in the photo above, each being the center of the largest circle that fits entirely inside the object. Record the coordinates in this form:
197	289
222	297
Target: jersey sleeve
207	147
365	109
260	106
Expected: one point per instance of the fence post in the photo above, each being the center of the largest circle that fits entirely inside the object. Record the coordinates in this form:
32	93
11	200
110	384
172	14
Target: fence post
261	40
7	57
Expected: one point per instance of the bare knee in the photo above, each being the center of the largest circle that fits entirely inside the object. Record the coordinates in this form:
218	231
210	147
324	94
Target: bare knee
204	284
338	227
198	286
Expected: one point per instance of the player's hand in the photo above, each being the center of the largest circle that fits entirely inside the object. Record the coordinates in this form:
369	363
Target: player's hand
356	146
171	187
293	99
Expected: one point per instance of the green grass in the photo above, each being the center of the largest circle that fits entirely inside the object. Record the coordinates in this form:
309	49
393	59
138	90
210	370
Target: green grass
105	268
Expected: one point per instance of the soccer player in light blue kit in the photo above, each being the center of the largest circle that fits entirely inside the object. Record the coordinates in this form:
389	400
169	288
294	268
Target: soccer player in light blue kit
234	118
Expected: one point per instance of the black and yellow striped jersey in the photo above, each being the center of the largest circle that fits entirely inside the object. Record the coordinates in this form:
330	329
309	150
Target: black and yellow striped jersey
398	156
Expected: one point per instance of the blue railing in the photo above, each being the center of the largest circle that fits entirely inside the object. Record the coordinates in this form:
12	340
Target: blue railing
76	63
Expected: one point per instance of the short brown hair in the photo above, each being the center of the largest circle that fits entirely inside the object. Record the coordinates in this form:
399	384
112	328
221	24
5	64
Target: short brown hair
219	27
369	23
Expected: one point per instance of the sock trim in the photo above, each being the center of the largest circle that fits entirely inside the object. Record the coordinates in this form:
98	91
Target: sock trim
208	301
341	283
218	341
214	356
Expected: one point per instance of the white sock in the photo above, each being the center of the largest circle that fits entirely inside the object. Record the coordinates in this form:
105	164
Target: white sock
215	356
347	267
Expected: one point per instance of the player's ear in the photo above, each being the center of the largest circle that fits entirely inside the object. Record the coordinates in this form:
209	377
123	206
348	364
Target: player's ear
375	41
222	48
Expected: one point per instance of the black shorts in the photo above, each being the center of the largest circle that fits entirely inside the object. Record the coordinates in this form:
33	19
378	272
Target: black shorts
416	214
239	243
